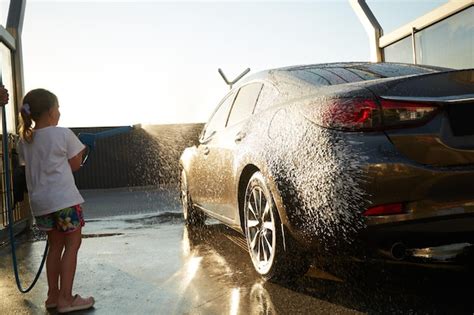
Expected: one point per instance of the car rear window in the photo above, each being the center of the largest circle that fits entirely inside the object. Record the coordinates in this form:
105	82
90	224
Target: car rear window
389	70
333	75
310	76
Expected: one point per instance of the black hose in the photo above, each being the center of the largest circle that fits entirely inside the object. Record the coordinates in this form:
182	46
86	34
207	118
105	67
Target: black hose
8	203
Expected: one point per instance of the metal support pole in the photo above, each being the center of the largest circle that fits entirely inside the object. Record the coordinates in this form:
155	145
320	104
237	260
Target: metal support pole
372	27
413	44
16	14
14	26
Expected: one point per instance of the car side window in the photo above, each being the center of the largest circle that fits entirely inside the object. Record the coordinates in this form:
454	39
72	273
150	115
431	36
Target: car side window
268	96
219	118
244	103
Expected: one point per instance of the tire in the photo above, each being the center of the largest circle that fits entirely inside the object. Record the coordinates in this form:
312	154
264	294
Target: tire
192	216
265	239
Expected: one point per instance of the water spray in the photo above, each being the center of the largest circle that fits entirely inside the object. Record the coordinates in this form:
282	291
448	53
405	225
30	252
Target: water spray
317	174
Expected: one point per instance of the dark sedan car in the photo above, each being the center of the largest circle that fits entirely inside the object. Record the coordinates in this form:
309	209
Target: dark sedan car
303	159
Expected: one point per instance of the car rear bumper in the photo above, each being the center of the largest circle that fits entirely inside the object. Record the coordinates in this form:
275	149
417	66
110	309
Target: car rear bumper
442	239
421	232
412	233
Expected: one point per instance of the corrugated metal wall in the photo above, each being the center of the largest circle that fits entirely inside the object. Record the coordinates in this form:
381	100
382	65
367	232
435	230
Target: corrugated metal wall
142	157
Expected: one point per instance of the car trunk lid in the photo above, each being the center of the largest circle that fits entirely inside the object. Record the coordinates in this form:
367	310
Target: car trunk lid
447	138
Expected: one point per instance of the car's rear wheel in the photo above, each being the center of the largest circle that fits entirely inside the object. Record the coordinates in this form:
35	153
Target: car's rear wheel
192	216
265	239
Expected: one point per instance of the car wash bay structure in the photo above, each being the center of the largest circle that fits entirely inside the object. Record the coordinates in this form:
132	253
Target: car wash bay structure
12	78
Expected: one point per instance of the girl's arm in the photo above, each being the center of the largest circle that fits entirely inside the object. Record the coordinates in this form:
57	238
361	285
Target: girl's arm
76	161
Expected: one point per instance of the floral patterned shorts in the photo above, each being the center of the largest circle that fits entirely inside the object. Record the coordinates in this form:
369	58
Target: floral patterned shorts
66	220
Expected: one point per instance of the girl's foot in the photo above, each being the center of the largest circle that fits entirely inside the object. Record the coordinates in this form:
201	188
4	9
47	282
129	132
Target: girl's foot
78	303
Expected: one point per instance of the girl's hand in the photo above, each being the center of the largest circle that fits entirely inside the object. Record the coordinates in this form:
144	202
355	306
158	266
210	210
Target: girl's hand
76	161
3	96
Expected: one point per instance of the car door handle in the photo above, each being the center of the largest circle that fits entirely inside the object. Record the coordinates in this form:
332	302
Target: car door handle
206	150
239	136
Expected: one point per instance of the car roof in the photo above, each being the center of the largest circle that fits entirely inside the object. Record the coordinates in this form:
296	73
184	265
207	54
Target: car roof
356	65
275	73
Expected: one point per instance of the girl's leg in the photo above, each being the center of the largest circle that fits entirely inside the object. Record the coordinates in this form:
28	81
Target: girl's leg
53	265
72	242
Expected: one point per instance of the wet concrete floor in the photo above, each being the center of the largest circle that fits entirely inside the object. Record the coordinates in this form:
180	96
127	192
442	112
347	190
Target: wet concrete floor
137	258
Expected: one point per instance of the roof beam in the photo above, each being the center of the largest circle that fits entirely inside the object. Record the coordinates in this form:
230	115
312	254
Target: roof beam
372	27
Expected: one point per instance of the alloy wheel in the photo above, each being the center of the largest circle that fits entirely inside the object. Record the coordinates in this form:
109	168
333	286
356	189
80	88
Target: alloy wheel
260	227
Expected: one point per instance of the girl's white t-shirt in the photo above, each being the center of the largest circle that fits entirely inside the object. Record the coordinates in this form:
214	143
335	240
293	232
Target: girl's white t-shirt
49	178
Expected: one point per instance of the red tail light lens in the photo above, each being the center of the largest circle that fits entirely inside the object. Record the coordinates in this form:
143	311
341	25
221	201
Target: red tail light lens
389	209
368	115
401	114
352	114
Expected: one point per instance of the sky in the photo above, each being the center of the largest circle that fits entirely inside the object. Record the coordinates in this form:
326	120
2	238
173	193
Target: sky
114	63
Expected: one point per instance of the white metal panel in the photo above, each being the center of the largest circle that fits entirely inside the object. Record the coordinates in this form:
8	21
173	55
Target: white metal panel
426	20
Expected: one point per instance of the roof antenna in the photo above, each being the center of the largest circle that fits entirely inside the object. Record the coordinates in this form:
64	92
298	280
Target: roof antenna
235	80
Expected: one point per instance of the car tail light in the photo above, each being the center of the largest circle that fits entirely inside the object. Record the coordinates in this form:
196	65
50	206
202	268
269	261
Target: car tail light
388	209
351	114
369	115
405	114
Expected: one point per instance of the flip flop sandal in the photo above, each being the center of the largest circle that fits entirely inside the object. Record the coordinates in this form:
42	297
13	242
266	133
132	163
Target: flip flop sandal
78	307
50	305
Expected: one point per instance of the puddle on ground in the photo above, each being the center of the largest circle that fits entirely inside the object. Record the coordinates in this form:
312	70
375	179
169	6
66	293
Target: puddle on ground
101	235
166	217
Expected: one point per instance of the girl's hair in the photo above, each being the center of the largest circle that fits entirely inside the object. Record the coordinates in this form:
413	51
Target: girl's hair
35	103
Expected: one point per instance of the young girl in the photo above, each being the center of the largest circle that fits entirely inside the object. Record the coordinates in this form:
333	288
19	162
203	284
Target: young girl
50	155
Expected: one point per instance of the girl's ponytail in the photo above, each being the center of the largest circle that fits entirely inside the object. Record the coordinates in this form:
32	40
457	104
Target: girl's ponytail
35	103
26	129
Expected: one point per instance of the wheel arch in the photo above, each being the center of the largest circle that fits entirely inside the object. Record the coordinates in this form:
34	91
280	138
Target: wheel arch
187	157
244	178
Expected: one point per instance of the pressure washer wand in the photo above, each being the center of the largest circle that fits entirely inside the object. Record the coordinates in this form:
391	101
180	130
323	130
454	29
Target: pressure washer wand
89	139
